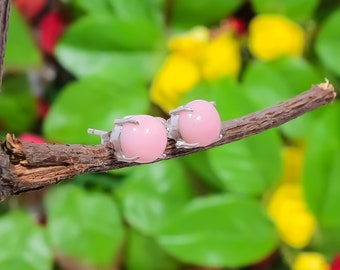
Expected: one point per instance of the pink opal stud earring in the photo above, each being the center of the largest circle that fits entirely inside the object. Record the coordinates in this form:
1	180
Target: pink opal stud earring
138	138
196	124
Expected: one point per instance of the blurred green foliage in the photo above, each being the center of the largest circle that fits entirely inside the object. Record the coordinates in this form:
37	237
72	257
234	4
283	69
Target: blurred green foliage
18	108
78	229
21	52
88	41
26	245
91	102
297	10
199	234
207	209
322	172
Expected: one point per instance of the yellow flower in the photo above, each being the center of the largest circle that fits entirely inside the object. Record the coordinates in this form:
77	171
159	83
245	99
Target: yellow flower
190	44
293	164
272	36
310	261
194	57
221	57
294	222
296	225
177	76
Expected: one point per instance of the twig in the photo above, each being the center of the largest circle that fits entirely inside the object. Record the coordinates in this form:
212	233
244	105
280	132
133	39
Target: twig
4	19
27	166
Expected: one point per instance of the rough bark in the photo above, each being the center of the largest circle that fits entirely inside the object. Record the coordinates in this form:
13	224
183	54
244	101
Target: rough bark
4	17
28	166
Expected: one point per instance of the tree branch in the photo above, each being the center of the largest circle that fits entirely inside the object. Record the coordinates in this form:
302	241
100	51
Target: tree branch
27	166
4	19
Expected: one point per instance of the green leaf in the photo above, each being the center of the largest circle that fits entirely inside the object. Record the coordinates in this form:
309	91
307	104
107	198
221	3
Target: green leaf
93	102
264	85
267	84
202	12
23	243
104	182
327	43
152	193
204	173
219	231
143	253
90	6
18	106
84	225
100	42
298	72
250	166
296	10
135	9
21	50
321	178
327	241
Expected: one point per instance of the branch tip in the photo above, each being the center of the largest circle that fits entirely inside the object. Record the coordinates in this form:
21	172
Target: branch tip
327	86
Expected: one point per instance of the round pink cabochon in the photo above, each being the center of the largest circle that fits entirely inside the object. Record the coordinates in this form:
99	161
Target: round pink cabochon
202	125
146	140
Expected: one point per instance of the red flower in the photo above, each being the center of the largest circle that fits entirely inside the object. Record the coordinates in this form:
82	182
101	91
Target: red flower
231	25
52	27
43	107
29	137
235	24
29	8
336	263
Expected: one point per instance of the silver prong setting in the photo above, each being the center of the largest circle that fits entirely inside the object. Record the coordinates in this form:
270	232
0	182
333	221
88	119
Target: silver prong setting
172	127
126	120
104	135
180	109
183	144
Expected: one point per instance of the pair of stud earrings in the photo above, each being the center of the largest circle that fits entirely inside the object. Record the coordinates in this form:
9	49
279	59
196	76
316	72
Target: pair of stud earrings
143	138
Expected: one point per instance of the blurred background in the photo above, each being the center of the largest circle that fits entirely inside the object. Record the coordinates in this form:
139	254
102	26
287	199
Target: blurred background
270	201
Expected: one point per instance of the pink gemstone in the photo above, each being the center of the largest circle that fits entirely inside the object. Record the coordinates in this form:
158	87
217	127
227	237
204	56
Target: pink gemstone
202	125
146	140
